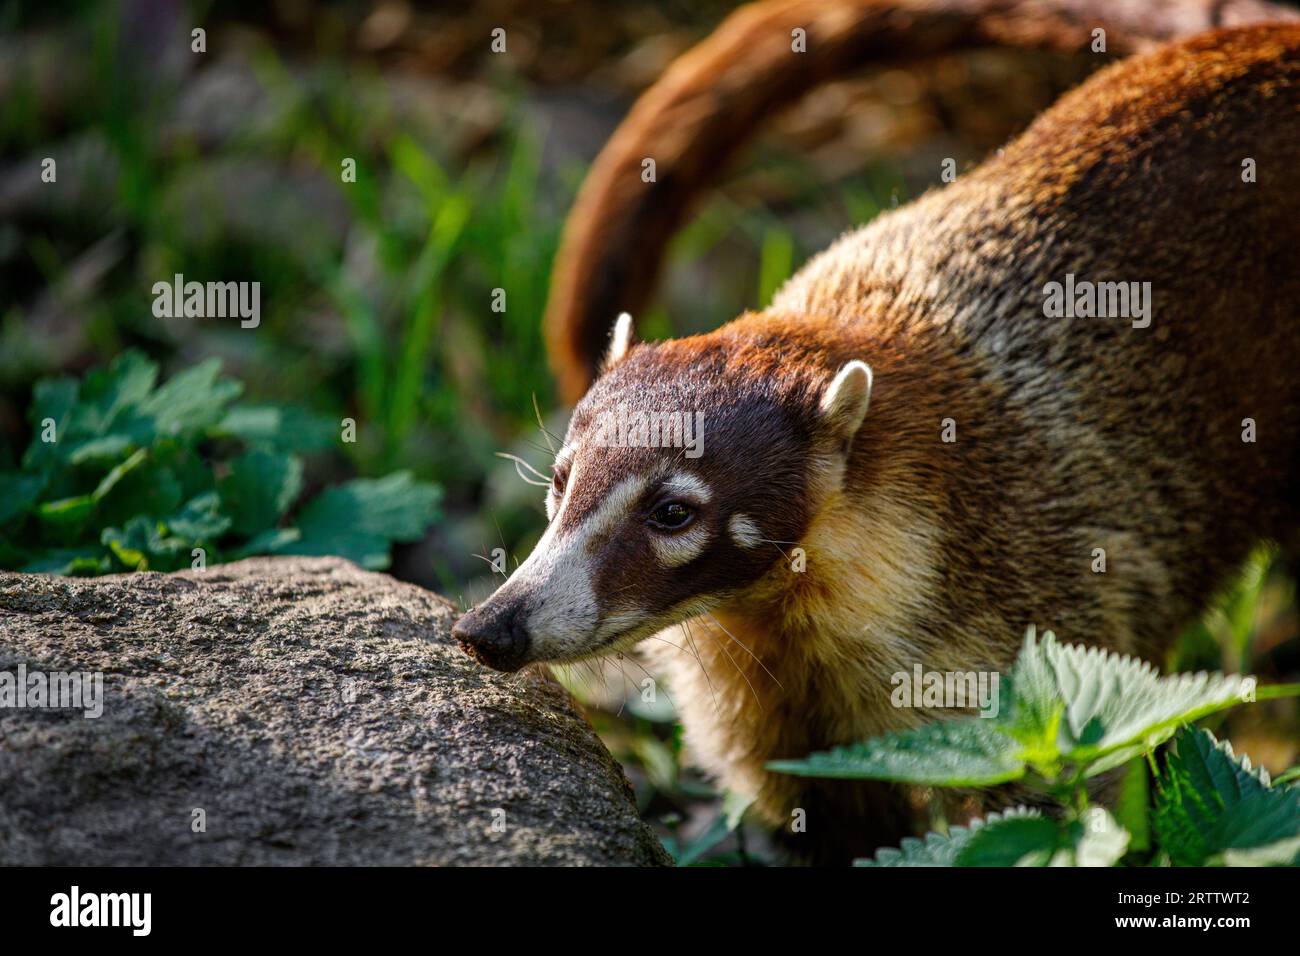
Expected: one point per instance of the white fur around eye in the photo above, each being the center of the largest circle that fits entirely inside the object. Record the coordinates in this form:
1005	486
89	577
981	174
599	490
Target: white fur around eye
743	531
686	485
679	549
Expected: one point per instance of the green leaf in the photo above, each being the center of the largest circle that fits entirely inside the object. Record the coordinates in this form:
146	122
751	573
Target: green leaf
142	545
1098	840
734	805
194	399
1033	716
271	541
94	451
954	753
18	492
1069	704
52	399
67	513
1287	777
1015	841
259	490
1132	808
1210	803
69	561
133	544
938	849
1114	703
359	520
109	394
278	428
110	481
200	520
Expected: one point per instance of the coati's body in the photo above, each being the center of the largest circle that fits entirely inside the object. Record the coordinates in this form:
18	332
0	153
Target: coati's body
1071	434
1068	434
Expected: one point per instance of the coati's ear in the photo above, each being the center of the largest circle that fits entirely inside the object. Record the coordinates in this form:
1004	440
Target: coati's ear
620	340
844	403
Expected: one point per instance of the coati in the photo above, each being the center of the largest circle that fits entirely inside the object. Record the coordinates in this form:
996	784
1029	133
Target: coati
1171	443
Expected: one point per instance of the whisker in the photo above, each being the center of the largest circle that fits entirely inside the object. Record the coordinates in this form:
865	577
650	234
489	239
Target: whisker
520	464
542	449
622	697
744	676
745	649
652	677
685	625
777	545
490	562
542	426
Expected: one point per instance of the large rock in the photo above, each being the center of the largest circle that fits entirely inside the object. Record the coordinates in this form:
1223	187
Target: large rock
314	713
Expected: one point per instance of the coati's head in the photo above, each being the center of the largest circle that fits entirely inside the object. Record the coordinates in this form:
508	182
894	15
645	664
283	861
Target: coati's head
689	468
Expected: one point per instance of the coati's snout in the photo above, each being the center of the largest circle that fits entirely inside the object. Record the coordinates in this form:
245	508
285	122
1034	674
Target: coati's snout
684	478
495	634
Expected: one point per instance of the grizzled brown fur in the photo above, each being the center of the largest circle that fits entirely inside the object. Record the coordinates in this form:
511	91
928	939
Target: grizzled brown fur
1071	434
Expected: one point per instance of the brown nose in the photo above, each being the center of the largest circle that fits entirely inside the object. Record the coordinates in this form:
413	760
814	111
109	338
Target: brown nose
495	635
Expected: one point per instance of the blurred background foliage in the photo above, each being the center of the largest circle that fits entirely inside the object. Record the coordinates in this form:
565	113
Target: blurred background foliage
377	294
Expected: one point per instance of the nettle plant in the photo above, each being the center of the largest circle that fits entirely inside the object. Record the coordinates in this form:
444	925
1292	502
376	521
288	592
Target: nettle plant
125	474
1072	713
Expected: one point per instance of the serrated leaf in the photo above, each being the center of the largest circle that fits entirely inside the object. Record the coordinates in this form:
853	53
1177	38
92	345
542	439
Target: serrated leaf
359	520
108	394
1033	716
956	753
259	490
194	399
1113	702
1099	839
1285	852
1069	704
1027	840
1210	802
938	849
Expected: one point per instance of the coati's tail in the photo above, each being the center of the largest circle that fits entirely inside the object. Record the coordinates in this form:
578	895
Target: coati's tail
713	98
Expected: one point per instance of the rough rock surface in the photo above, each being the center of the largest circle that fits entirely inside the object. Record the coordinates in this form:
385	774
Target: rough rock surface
315	713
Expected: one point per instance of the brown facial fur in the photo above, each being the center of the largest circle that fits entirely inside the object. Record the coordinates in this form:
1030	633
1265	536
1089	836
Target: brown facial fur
757	428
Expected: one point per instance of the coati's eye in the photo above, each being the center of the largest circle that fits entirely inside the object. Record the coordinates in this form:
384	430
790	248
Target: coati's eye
558	479
671	516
